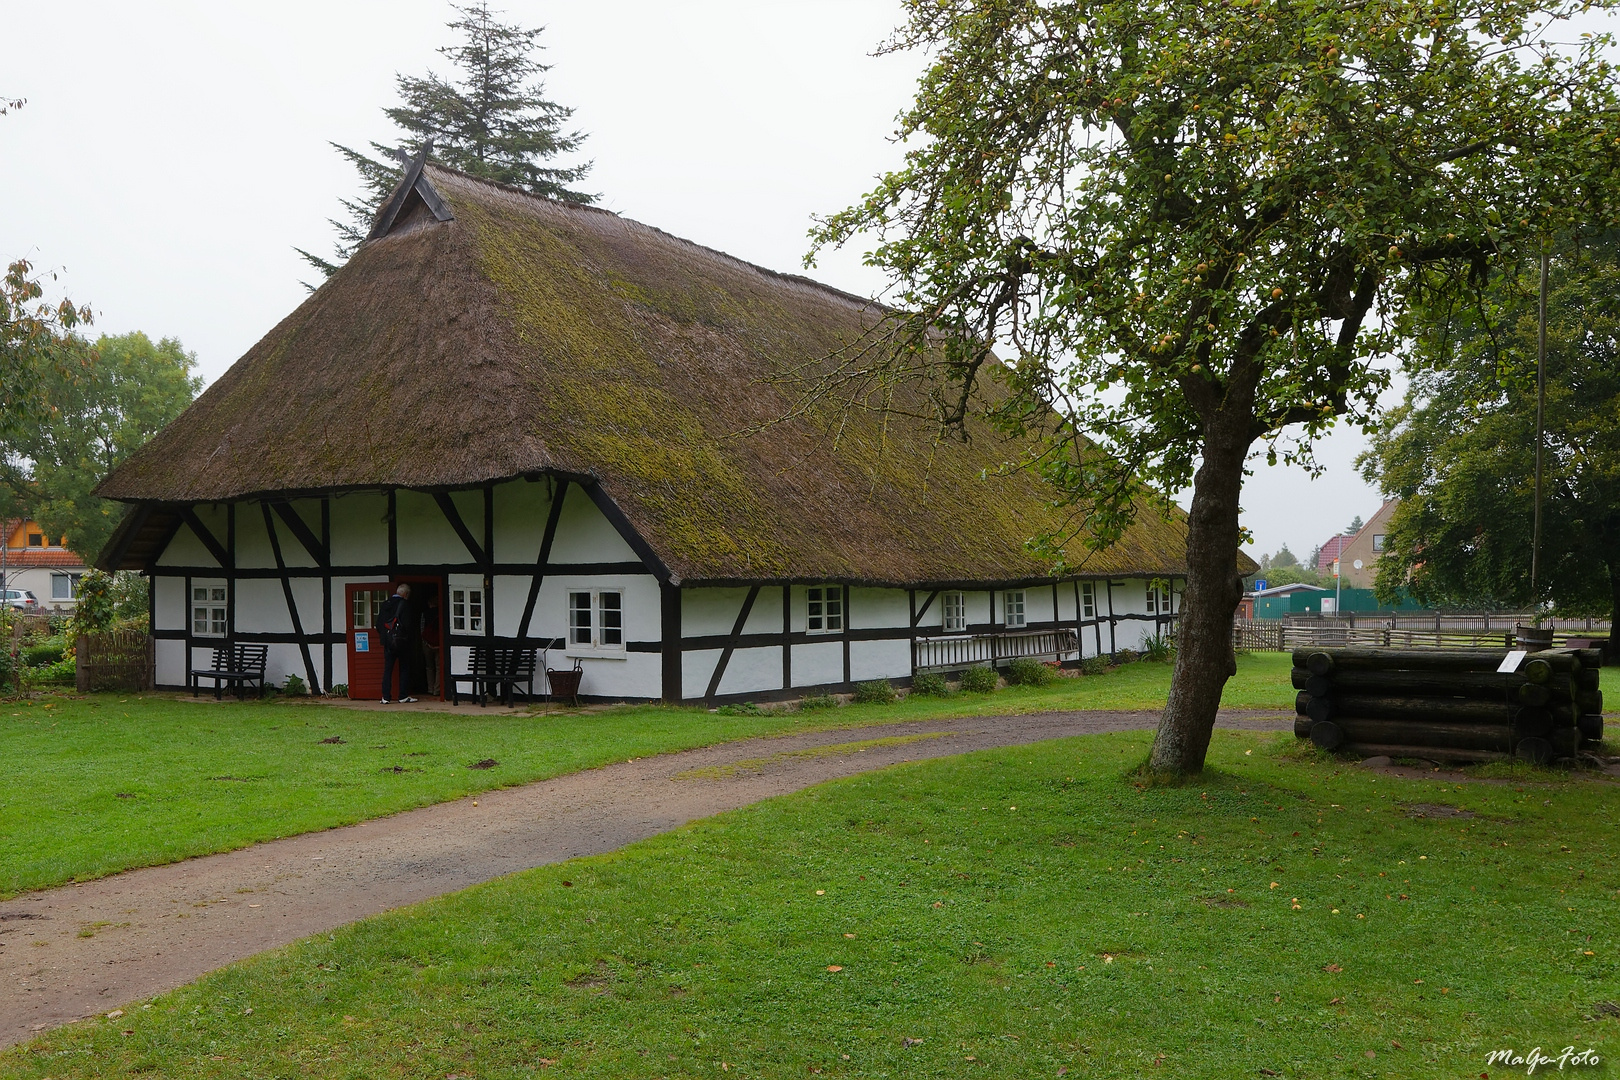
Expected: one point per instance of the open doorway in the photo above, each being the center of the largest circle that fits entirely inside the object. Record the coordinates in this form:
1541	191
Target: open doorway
424	662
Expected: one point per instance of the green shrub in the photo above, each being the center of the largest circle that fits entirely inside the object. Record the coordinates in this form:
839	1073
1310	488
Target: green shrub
930	684
1158	650
1028	671
62	673
93	613
1127	656
8	667
339	690
741	708
876	692
1094	665
980	680
44	652
294	687
818	701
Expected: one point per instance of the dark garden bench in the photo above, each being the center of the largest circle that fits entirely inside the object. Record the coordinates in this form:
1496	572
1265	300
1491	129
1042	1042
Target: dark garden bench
497	670
238	664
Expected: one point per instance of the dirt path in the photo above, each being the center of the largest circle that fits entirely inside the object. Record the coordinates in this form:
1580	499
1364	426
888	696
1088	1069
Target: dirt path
74	951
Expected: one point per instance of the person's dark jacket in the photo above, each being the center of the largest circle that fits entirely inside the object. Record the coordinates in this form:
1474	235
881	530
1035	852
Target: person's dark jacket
398	611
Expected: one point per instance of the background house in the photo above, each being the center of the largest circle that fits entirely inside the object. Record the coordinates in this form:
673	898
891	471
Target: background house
40	563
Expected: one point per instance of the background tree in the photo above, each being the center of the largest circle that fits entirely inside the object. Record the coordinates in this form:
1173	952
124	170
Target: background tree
492	120
1354	526
1284	557
36	346
1460	451
114	397
1199	225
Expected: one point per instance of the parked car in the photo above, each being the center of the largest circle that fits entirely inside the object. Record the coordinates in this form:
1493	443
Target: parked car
23	600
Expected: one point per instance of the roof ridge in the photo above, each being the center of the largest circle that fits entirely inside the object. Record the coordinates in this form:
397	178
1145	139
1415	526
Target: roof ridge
564	204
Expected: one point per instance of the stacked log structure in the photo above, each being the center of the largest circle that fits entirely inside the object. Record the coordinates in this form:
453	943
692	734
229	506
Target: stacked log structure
1451	705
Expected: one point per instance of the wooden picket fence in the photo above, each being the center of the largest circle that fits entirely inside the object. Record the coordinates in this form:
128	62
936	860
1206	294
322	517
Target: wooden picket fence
120	660
1276	635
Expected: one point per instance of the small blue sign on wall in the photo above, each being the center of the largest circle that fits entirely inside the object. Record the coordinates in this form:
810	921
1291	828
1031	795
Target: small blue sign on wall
1259	584
362	641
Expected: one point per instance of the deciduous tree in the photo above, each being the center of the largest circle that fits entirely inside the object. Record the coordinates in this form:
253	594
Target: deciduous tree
1197	227
1460	451
116	394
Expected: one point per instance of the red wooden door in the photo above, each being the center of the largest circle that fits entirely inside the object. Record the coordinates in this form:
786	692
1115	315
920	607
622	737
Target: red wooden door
365	639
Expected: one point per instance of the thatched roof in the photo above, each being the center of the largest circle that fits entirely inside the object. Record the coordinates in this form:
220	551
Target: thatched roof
485	334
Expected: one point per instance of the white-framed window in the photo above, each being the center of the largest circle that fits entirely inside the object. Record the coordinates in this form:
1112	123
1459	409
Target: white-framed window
1088	599
596	619
1012	607
208	609
955	609
466	611
1158	598
367	602
64	586
824	609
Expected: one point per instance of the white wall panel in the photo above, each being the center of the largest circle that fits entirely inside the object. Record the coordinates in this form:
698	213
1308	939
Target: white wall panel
521	507
696	670
876	608
766	615
818	663
359	533
171	662
426	536
584	535
261	607
168	603
252	542
637	675
885	659
705	612
751	671
186	550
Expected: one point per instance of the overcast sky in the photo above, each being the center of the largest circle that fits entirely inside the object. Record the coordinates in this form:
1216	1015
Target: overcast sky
172	154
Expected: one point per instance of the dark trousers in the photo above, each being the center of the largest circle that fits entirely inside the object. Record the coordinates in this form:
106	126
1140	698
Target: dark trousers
392	659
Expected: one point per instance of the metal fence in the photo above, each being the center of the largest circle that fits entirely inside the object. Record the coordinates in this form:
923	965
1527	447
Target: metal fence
949	653
120	660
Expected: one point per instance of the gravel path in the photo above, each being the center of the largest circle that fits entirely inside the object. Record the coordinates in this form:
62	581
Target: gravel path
74	951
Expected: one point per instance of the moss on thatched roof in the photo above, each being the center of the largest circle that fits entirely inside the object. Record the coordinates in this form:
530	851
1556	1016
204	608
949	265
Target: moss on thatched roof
525	336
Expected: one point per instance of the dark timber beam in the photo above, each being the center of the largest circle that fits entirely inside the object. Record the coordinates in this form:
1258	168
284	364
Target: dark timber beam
731	643
638	544
669	625
209	540
917	615
292	601
453	516
543	561
296	525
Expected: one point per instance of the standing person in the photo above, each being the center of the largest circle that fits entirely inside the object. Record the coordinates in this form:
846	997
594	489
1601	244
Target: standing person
397	621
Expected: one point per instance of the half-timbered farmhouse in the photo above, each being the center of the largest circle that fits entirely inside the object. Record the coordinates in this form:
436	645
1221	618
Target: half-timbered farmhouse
531	411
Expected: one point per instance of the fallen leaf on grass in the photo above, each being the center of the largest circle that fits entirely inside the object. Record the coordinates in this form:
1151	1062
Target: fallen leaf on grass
908	1042
115	1014
835	967
1333	968
1396	1043
1337	1001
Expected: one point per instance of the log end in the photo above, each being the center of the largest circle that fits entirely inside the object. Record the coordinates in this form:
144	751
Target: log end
1326	734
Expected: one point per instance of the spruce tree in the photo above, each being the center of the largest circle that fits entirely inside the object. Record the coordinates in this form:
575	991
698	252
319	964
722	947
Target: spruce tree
492	120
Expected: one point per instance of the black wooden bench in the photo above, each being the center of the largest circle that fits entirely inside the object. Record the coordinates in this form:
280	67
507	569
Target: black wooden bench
238	664
498	670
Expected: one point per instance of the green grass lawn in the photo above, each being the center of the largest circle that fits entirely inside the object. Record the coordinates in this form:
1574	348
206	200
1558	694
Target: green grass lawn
95	784
1018	913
